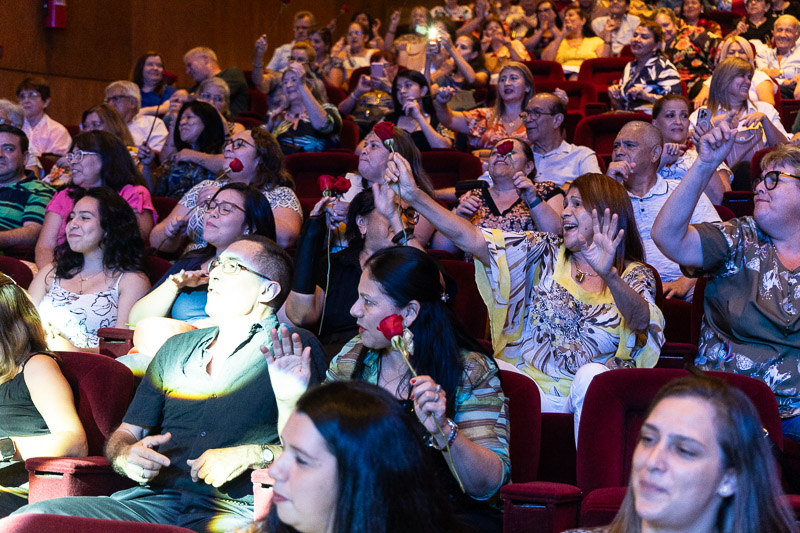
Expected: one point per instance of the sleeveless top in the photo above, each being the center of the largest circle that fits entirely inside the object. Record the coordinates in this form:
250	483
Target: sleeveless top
18	416
79	316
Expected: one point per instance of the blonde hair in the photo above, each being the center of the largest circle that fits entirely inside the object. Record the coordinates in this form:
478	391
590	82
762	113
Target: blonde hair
718	97
724	49
202	51
21	331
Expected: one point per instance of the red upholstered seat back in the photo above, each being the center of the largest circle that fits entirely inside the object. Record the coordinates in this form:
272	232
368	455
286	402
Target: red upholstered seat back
599	131
16	270
446	167
524	413
468	305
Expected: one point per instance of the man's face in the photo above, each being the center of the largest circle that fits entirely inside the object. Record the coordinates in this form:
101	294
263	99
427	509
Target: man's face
301	27
12	158
32	103
617	7
634	146
125	104
197	66
786	34
538	119
236	291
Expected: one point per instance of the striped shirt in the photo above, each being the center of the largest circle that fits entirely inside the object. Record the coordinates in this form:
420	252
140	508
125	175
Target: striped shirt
23	202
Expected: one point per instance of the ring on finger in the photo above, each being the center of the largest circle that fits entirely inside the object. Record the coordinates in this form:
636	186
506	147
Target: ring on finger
438	389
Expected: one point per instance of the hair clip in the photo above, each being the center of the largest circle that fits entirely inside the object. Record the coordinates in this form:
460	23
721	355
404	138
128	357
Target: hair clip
445	297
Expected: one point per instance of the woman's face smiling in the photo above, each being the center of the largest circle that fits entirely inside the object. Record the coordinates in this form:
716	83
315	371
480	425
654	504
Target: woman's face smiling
673	121
84	231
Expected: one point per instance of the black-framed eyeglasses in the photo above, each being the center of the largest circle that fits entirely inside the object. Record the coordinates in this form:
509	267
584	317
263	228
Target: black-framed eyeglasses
236	144
525	114
225	208
771	179
231	266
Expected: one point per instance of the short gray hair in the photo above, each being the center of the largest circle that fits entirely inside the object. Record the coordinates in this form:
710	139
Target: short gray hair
202	51
785	154
15	114
128	88
214	81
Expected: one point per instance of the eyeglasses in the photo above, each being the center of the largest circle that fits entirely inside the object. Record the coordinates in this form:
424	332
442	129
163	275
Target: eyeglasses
236	144
534	114
89	126
29	95
217	98
116	98
410	214
77	157
355	32
771	178
230	266
225	208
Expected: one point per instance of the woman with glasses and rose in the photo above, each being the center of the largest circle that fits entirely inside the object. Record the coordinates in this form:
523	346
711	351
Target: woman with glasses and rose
253	158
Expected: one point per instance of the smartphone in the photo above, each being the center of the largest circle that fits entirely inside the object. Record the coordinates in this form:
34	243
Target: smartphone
376	70
704	118
435	44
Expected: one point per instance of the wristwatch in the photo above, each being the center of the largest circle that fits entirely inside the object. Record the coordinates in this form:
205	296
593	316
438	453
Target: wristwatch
7	449
267	456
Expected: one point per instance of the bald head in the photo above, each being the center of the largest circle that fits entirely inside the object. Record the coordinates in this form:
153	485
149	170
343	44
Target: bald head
648	134
639	144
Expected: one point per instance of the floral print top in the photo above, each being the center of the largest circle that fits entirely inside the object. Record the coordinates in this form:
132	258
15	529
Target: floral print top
751	324
515	218
545	324
693	52
485	130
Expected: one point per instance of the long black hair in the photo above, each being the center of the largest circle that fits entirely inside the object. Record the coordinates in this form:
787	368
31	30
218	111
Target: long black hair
212	137
122	244
117	168
405	274
417	77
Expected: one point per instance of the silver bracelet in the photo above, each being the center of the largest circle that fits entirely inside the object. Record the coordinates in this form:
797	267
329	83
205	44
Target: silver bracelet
450	439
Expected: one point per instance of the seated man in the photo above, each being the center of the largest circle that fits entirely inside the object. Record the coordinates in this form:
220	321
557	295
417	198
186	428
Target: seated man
45	135
636	157
750	325
782	63
205	412
303	21
126	98
617	28
201	63
23	198
556	159
11	113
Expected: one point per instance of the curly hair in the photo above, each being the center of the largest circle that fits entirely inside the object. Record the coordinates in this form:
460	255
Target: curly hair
213	135
117	168
122	244
270	171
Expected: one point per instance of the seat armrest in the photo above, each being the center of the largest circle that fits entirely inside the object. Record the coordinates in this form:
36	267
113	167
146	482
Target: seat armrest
115	342
56	477
539	507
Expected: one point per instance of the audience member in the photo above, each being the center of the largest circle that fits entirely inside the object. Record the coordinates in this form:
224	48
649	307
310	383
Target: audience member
758	23
507	12
464	70
371	99
177	100
435	55
498	49
45	135
649	76
486	126
12	114
452	383
556	160
201	63
215	91
785	7
410	46
190	459
548	23
671	117
353	50
591	299
38	410
146	130
452	11
730	483
306	122
618	26
96	158
749	324
327	68
636	158
197	139
148	75
414	112
262	167
374	40
591	8
22	197
782	63
97	272
106	118
269	82
572	46
303	21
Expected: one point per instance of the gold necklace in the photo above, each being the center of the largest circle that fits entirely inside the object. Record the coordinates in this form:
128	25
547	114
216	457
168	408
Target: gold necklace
86	279
580	275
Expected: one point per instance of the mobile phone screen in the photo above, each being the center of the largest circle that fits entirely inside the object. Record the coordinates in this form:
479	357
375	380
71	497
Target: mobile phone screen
376	70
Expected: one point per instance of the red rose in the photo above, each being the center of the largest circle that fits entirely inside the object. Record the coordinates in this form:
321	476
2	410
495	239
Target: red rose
341	185
326	182
345	8
391	326
236	165
384	131
505	148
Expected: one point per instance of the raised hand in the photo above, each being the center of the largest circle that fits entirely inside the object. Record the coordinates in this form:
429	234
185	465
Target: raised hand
599	253
261	45
192	278
445	94
385	200
399	176
525	187
289	364
714	145
146	155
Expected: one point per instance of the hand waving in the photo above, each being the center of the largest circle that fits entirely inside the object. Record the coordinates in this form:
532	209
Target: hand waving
600	252
289	365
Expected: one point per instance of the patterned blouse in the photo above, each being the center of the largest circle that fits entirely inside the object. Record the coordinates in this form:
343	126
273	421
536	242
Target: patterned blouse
174	179
656	76
545	324
693	53
304	137
515	218
277	197
751	324
485	130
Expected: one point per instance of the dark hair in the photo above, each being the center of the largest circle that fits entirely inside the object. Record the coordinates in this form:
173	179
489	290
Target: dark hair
213	135
405	274
325	36
757	504
587	20
13	130
389	55
370	19
275	263
661	102
117	167
418	78
479	63
137	74
360	206
35	83
113	122
21	332
270	171
559	22
655	29
258	216
365	32
122	244
599	192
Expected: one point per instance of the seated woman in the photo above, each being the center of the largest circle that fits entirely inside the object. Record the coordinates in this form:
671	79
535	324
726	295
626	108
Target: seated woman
374	39
391	478
104	117
649	76
215	91
504	204
465	69
486	126
96	158
749	326
728	483
762	87
575	43
410	47
414	113
97	274
148	74
322	288
759	124
192	156
671	117
759	22
692	14
371	99
262	166
452	381
37	410
353	49
305	122
498	48
562	309
327	68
